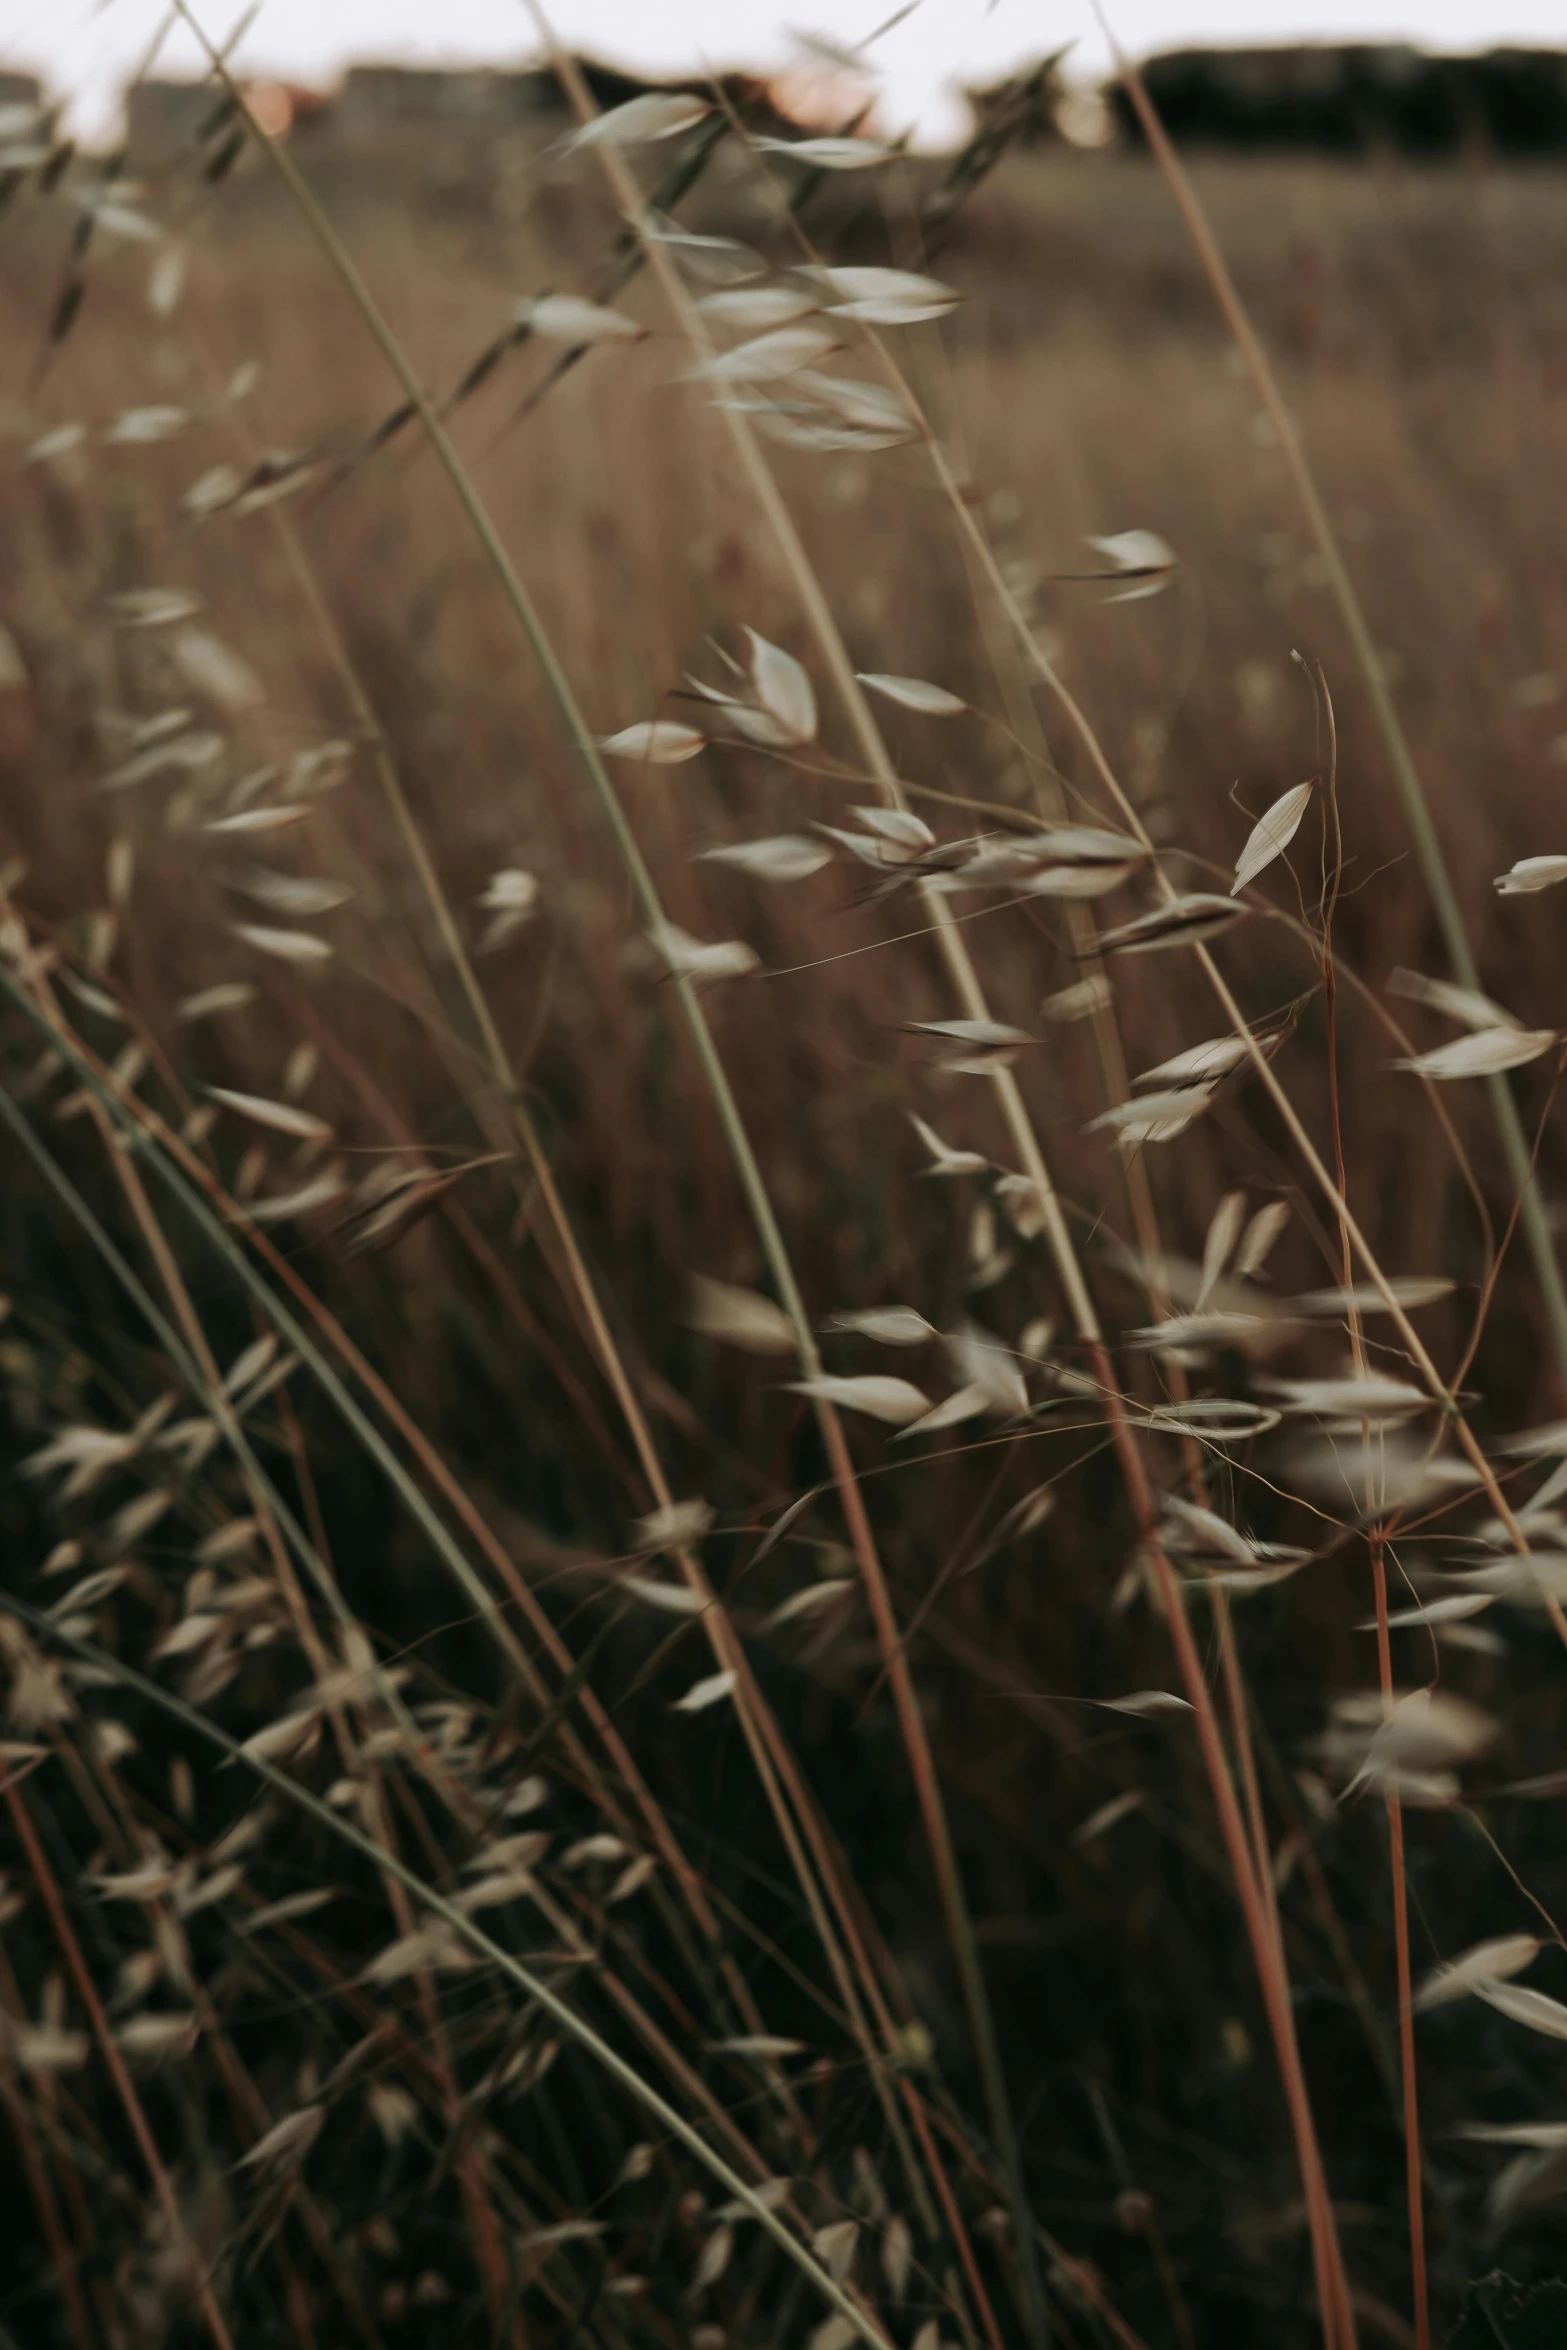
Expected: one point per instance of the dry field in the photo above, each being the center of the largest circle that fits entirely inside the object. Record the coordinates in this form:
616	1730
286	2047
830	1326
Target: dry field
261	2084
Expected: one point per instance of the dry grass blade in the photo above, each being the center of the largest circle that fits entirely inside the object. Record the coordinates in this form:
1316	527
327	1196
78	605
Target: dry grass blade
703	962
944	1158
896	1401
750	308
1487	1962
784	351
640	121
1259	1237
201	1378
1531	874
1523	2006
1182	922
1409	1291
1484	1054
567	318
887	1325
1458	1003
887	297
279	1117
740	1318
913	693
829	154
286	946
658	742
1152	1117
710	1691
1219	1242
1271	835
787	857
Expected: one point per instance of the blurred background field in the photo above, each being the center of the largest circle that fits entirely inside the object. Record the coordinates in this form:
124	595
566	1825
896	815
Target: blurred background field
1084	387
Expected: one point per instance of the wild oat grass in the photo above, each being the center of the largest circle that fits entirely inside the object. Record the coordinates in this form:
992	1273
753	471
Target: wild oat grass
783	1556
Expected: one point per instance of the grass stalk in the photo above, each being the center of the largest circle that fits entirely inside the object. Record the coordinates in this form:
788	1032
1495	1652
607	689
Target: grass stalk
752	1181
1398	1886
893	1648
1256	1904
1406	2012
108	2047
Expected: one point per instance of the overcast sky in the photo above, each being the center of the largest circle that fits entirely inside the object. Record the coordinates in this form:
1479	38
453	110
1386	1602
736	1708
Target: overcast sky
87	48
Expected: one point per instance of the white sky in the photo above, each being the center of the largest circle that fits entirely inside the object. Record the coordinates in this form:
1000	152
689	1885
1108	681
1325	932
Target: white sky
86	49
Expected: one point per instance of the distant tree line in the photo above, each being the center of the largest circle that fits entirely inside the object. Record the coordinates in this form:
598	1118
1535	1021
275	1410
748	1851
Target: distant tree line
1357	100
1353	100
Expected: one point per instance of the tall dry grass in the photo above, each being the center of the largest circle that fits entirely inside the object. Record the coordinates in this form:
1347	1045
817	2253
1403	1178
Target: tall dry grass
357	2116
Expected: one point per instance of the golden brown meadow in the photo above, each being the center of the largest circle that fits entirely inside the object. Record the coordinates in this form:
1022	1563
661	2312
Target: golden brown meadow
451	2164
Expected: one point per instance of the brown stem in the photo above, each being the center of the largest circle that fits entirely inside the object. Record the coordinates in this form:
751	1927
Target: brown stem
1406	2012
81	1976
37	2170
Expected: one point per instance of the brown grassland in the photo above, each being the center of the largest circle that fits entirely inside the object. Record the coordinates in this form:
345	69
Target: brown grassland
259	2086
